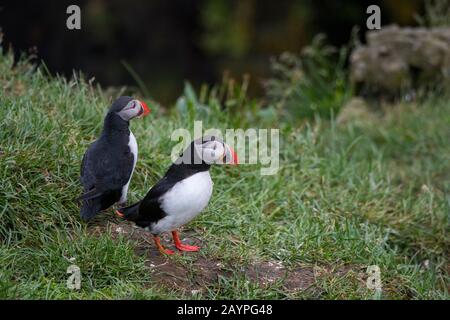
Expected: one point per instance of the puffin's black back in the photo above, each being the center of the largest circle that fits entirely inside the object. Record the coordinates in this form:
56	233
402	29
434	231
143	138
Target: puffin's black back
107	164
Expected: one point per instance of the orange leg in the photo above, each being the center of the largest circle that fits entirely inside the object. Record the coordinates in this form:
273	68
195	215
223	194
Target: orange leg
160	247
180	246
120	214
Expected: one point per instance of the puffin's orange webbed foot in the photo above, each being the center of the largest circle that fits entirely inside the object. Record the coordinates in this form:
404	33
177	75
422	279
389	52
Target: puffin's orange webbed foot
186	247
181	246
161	248
120	214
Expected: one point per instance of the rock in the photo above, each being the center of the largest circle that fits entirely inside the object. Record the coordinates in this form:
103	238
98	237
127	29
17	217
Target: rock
397	58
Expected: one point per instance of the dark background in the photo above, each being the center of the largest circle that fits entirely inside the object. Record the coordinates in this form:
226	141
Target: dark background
168	42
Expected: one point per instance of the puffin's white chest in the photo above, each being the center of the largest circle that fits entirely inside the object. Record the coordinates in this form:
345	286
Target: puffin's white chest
132	144
184	201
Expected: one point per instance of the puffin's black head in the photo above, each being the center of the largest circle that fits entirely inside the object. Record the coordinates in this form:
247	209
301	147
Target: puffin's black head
128	108
208	150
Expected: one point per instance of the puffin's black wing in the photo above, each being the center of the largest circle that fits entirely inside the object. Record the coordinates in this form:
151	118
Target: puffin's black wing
103	172
149	210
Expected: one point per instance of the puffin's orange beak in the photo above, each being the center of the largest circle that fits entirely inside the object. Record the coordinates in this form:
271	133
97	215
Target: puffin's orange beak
235	160
230	155
145	108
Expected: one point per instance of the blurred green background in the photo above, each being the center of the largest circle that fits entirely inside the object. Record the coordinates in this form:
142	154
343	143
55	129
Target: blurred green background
168	42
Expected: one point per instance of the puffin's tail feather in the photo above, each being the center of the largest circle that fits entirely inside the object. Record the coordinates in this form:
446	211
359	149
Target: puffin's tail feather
129	213
89	209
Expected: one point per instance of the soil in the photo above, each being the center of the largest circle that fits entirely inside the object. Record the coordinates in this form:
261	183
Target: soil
203	272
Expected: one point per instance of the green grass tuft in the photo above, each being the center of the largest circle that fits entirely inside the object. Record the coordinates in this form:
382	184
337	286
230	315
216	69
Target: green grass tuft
372	192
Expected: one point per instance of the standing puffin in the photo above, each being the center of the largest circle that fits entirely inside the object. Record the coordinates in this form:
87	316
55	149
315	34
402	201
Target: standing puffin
182	193
109	161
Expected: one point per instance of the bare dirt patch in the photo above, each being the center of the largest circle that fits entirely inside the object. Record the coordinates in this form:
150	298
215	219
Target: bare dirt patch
205	272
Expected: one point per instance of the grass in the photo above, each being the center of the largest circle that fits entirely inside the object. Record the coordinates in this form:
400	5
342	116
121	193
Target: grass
314	82
372	191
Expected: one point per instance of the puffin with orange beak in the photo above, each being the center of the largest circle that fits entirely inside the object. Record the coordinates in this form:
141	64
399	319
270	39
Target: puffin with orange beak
182	193
109	162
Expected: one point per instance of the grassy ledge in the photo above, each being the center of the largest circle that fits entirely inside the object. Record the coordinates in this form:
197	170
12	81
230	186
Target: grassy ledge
371	191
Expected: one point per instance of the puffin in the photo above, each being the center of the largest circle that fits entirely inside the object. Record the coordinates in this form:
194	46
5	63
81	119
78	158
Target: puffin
182	193
109	162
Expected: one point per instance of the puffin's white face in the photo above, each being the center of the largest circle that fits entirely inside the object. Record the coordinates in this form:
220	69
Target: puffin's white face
212	151
217	152
133	109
